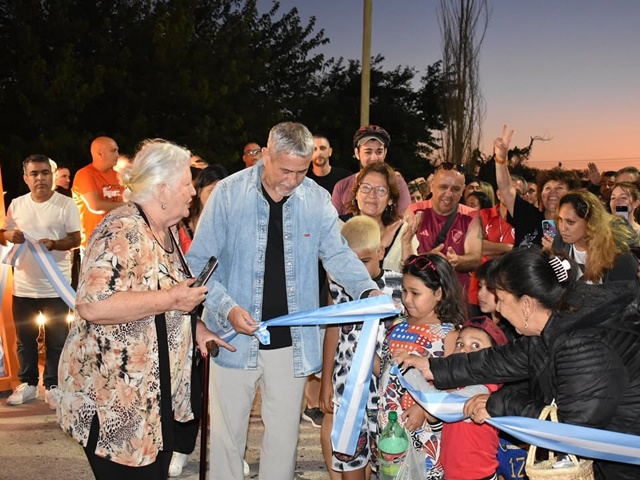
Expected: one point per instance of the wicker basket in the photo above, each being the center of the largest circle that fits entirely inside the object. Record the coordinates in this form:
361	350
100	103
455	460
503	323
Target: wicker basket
580	470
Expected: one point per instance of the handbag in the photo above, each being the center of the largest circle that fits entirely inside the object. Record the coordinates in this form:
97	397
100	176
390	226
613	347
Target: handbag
580	469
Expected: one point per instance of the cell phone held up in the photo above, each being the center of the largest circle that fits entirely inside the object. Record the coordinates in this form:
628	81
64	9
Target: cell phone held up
206	272
623	211
549	228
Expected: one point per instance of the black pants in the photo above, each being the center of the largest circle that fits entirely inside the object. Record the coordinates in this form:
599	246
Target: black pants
25	314
104	469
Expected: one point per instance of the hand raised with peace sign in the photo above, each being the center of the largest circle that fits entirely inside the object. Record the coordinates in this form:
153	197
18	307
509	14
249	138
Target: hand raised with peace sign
501	145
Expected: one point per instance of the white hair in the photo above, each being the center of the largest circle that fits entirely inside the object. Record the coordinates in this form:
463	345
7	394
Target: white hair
156	163
291	138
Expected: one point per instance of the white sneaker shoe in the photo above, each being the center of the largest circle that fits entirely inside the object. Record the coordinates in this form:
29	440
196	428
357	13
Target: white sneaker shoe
178	461
51	396
247	470
23	394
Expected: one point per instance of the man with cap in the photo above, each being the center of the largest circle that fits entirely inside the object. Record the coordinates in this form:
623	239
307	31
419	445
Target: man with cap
370	144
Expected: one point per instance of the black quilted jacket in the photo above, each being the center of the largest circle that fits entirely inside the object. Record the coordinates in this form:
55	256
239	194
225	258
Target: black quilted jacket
588	361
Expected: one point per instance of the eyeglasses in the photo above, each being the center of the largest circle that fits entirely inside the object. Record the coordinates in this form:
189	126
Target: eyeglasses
254	151
380	190
421	263
452	166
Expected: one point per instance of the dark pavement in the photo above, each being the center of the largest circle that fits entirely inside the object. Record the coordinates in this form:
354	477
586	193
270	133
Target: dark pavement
32	447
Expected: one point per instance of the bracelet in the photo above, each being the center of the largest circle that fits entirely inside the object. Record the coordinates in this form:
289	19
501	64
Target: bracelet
500	162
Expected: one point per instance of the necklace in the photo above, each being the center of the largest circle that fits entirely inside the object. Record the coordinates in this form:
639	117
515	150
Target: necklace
162	245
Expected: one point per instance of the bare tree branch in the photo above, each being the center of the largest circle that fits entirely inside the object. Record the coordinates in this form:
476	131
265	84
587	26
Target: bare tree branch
463	24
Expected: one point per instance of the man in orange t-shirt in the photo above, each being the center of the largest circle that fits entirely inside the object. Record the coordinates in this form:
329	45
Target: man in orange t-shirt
97	188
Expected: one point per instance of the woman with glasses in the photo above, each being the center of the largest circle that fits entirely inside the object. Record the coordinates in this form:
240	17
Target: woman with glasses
579	349
376	195
595	240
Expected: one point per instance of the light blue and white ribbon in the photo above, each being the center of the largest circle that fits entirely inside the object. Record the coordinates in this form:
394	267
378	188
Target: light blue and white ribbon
369	311
48	265
4	271
366	310
351	411
559	437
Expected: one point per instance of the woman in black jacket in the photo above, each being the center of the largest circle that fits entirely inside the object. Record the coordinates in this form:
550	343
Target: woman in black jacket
580	347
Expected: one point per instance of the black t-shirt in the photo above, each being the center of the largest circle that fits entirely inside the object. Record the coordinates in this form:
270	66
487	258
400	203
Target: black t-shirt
527	223
330	179
274	297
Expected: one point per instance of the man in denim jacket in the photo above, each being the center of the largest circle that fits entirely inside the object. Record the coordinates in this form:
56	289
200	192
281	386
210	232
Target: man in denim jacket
268	225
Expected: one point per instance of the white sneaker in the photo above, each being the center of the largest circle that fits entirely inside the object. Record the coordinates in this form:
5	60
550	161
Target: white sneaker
51	396
247	470
23	394
178	461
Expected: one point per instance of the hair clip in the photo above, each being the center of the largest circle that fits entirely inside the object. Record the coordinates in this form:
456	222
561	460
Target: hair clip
560	268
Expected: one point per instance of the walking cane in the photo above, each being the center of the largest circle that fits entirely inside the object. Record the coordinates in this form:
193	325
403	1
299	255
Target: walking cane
212	351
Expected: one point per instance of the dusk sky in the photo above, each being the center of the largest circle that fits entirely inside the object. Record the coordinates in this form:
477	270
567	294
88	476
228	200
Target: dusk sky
565	69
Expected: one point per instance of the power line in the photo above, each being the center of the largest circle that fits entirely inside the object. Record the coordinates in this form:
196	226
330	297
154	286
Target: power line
594	160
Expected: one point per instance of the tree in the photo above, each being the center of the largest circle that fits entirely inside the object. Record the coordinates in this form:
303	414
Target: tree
463	24
409	114
207	74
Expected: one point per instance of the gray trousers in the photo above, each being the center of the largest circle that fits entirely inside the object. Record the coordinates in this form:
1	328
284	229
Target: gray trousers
231	396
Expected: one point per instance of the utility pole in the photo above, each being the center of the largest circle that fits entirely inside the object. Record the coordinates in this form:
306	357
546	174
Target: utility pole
365	80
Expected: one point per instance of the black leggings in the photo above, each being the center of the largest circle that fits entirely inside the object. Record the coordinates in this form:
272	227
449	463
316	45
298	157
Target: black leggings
104	469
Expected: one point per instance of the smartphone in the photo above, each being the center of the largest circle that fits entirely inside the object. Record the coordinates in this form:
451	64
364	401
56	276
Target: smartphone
623	211
206	272
549	227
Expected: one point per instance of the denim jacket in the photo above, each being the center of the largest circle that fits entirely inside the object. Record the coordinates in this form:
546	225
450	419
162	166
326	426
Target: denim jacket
233	228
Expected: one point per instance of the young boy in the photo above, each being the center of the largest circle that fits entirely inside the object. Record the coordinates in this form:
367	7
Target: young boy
469	450
362	233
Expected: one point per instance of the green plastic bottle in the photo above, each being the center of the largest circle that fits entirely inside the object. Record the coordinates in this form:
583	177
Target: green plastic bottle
392	447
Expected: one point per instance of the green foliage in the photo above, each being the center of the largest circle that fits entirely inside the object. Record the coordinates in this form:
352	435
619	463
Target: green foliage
407	113
207	74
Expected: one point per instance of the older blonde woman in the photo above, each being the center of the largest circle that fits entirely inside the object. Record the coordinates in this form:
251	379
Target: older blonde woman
125	370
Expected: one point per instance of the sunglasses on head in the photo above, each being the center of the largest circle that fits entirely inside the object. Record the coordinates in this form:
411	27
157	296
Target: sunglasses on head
421	263
452	166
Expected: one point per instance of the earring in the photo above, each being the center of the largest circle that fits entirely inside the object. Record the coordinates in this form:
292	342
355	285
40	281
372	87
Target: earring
163	205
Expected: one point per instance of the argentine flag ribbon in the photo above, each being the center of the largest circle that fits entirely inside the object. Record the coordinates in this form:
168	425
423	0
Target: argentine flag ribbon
366	310
369	311
4	271
559	437
48	265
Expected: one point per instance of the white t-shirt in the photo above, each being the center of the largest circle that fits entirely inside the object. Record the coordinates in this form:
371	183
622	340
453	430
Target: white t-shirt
53	219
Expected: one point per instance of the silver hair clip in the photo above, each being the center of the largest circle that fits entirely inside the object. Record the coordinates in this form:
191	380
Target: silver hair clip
560	268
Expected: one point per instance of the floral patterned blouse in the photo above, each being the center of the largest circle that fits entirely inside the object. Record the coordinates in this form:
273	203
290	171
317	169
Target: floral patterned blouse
113	370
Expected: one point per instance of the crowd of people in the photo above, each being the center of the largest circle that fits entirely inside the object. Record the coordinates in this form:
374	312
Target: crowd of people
517	295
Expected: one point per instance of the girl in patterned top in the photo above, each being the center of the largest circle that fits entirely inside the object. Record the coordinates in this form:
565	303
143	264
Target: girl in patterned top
435	309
